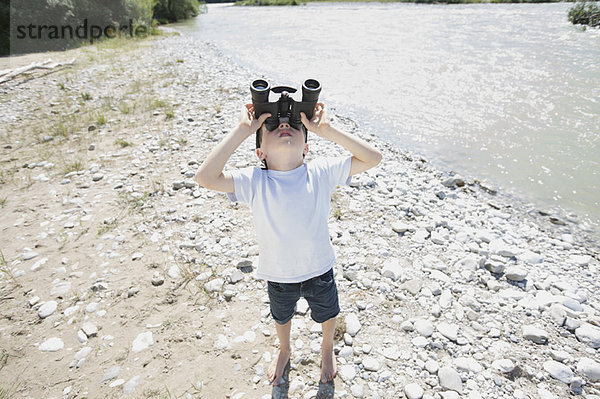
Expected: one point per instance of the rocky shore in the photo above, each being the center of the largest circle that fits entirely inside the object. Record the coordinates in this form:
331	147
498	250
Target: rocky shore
122	278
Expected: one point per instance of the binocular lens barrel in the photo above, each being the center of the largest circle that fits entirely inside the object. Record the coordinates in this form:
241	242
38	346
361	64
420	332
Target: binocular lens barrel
260	91
310	90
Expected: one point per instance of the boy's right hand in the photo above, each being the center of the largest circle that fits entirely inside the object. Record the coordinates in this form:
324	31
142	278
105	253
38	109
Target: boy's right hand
248	121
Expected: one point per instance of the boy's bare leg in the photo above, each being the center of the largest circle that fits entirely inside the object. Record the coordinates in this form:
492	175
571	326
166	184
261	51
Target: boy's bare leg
328	363
276	368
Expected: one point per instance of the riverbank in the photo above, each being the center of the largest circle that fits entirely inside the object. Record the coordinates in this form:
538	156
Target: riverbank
123	276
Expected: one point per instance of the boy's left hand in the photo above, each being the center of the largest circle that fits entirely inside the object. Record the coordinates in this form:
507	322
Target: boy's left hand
320	123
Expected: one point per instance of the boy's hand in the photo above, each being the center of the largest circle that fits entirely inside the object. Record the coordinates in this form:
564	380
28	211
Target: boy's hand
320	123
247	120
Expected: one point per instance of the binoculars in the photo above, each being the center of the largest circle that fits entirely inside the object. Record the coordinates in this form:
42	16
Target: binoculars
285	106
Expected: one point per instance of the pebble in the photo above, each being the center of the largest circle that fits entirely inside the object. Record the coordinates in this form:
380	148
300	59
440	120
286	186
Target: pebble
347	372
535	334
157	279
52	345
353	325
559	371
515	273
503	365
423	327
413	391
111	373
130	385
47	309
371	364
214	285
589	368
450	379
89	329
588	334
142	342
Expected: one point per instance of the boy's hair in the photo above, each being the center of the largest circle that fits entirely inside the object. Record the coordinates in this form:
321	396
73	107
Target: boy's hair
259	141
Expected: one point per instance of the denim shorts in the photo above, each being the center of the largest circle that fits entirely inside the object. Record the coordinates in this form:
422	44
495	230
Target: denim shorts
320	292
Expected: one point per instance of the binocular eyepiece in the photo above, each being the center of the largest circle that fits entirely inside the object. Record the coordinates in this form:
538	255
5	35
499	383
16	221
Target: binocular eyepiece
285	106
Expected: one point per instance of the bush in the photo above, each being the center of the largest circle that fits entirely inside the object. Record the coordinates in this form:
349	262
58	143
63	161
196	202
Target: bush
585	14
174	10
67	15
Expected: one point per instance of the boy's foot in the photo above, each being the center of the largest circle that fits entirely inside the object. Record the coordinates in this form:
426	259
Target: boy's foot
275	371
328	366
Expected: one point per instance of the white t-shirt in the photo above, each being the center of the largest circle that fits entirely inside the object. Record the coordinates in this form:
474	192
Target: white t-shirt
290	211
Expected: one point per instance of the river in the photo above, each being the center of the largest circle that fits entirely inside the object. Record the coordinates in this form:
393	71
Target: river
507	93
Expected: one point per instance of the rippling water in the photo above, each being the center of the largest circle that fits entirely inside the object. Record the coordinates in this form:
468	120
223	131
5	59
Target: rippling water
505	92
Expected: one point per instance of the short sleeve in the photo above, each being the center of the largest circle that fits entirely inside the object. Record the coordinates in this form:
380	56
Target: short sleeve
335	170
243	185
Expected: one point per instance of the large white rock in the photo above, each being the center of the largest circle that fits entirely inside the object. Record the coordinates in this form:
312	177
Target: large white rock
503	365
214	285
347	372
392	269
448	330
52	345
589	368
352	324
423	327
413	391
450	379
535	334
47	309
371	364
559	371
589	335
515	273
142	341
500	247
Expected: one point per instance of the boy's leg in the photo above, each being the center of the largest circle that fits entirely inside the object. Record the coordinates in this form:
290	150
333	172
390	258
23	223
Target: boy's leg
321	294
278	365
329	366
283	298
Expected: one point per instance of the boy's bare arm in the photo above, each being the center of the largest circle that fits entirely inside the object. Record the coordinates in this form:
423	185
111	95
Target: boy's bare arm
365	156
210	173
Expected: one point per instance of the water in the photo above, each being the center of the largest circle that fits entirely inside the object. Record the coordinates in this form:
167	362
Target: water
508	93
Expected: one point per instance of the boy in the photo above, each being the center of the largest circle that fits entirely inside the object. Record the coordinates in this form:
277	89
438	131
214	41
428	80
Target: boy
290	207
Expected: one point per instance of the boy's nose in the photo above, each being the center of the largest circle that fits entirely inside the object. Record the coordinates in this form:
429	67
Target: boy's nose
284	125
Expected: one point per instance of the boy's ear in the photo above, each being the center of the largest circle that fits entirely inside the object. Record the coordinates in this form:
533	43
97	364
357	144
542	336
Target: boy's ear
260	154
305	151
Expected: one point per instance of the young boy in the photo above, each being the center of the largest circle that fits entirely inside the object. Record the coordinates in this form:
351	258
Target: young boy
290	207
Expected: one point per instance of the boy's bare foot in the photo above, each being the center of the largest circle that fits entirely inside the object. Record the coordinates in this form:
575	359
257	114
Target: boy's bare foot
328	366
277	366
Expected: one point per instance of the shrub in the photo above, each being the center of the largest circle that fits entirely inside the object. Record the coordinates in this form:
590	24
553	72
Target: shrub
585	14
67	16
174	10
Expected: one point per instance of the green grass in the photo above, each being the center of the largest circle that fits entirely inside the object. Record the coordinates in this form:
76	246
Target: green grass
6	272
123	143
72	166
101	120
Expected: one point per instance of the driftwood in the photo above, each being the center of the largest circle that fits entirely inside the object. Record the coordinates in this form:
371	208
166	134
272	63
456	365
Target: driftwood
10	74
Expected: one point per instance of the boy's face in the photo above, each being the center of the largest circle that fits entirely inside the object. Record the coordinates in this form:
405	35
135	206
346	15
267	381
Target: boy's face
281	144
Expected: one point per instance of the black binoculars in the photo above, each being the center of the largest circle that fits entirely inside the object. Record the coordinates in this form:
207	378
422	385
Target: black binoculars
285	106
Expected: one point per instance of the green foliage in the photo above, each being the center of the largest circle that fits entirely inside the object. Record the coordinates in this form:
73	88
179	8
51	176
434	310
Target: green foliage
52	24
585	14
173	10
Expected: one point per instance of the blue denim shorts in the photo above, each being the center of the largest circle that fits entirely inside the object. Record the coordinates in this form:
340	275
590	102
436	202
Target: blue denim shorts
320	292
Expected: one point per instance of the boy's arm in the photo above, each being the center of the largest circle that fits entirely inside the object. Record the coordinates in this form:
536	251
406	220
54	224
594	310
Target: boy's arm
210	173
365	156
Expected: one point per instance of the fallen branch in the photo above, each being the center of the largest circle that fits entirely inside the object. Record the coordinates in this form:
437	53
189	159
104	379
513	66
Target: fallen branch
9	74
